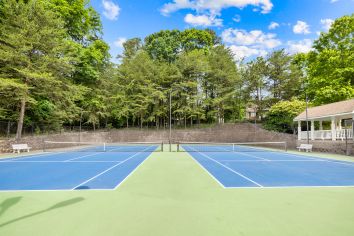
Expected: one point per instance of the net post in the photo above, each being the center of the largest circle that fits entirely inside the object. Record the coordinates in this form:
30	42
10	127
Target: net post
286	147
233	147
161	146
104	147
177	146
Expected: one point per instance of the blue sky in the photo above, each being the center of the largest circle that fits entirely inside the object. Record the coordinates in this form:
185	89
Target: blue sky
249	27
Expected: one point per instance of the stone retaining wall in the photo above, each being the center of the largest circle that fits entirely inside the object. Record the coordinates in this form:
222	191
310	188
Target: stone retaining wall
221	133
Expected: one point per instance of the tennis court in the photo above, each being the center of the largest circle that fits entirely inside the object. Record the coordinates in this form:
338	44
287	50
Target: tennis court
243	165
74	166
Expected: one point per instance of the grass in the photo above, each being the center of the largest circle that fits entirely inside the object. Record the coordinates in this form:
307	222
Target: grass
171	195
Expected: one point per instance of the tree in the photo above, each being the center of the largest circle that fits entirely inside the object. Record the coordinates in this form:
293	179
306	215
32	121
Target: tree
82	22
256	84
35	56
138	76
192	39
131	48
193	66
221	82
163	45
331	64
284	79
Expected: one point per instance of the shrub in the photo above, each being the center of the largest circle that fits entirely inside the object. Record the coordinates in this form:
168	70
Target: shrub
281	115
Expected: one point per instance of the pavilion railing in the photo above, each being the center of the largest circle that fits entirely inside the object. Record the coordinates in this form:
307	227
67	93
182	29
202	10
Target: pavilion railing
327	134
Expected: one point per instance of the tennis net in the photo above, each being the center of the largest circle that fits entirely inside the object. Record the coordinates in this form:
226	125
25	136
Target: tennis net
231	147
52	146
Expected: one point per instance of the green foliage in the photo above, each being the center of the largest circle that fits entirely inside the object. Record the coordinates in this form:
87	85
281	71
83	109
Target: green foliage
163	45
331	64
44	58
81	21
280	116
192	39
91	60
35	56
55	69
284	79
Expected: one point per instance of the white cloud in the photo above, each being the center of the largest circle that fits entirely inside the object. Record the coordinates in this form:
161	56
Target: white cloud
249	43
273	25
202	20
333	1
301	27
119	42
214	6
253	37
326	24
241	52
111	10
302	46
236	18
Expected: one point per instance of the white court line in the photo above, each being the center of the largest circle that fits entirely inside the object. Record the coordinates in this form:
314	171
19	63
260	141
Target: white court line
245	154
236	188
30	156
121	182
233	171
212	176
272	160
59	161
250	155
79	157
348	163
290	187
107	170
114	149
301	156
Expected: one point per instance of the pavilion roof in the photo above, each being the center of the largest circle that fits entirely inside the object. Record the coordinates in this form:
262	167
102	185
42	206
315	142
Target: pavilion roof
328	110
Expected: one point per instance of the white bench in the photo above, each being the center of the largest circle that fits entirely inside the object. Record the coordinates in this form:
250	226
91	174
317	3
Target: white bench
305	147
18	147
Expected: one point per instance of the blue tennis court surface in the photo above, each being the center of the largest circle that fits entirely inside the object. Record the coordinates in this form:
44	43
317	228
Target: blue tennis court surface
257	168
70	170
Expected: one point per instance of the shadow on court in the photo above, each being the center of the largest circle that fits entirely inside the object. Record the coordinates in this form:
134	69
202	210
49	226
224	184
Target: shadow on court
8	203
12	202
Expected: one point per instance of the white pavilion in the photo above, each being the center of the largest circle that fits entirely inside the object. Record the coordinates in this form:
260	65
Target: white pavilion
338	115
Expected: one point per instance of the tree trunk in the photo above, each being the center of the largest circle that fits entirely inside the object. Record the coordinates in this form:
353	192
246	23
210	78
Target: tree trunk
20	119
127	122
8	129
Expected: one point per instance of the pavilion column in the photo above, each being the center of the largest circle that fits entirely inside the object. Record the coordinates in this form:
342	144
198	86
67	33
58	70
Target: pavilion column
299	130
339	124
353	126
333	128
321	129
312	130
